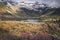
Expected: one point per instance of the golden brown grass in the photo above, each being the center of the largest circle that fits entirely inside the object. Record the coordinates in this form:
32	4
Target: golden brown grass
17	27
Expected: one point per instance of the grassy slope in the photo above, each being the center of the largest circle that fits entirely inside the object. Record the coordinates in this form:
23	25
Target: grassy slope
18	29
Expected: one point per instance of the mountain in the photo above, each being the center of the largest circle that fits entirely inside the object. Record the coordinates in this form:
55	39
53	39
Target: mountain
38	12
16	11
57	12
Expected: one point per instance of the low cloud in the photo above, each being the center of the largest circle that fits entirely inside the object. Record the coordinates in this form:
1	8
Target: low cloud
51	3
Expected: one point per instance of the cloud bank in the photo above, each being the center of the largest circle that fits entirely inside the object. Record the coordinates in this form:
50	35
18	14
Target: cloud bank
52	3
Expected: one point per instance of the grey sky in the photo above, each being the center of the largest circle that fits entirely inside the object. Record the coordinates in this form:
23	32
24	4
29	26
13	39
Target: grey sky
52	3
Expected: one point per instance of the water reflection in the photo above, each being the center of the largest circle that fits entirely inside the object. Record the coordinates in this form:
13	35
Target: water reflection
32	20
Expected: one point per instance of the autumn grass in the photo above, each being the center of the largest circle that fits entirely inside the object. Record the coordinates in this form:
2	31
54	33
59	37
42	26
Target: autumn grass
18	28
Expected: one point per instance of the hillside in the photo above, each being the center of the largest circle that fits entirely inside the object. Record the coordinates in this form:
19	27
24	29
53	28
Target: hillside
30	14
18	12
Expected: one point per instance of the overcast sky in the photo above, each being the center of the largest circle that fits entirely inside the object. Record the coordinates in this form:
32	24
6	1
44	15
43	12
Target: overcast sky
52	3
55	3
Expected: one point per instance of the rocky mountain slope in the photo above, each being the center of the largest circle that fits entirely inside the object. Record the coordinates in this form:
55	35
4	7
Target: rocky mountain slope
9	11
